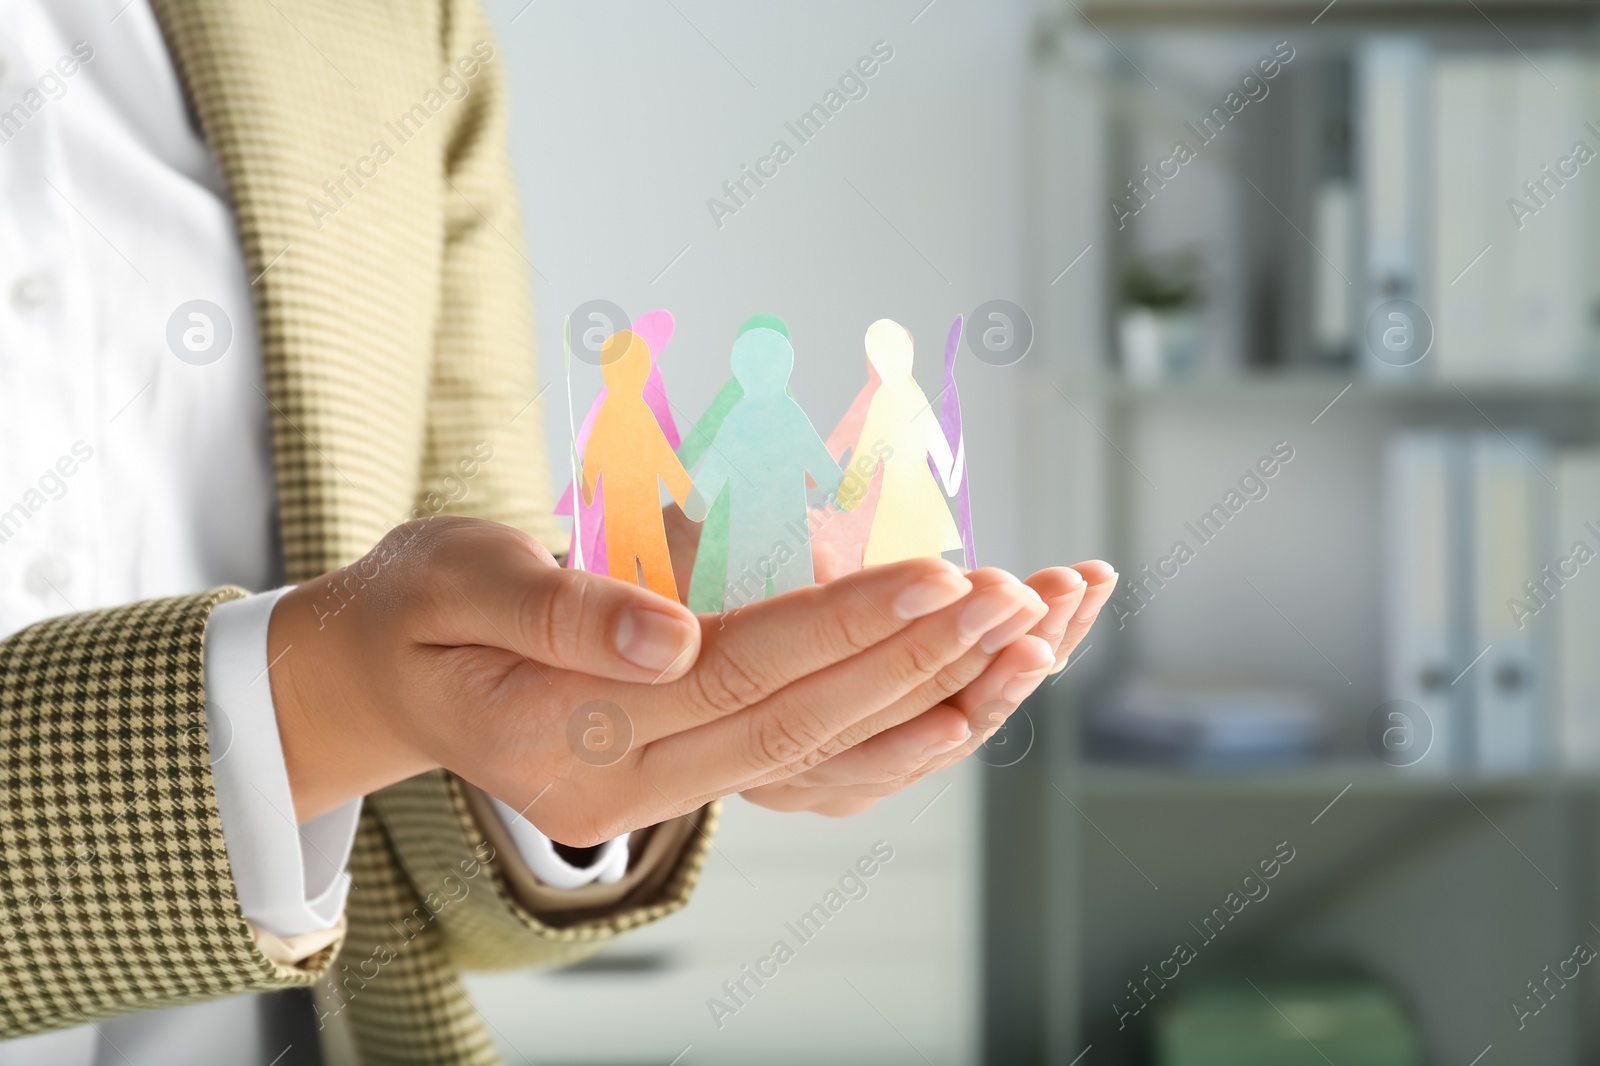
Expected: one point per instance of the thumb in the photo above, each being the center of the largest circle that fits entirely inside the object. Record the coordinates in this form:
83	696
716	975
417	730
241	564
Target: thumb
502	589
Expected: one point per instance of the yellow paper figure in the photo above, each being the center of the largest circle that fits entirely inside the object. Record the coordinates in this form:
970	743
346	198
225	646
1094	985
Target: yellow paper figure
912	519
628	447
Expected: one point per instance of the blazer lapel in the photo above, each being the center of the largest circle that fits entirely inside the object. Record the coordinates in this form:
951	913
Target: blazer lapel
284	100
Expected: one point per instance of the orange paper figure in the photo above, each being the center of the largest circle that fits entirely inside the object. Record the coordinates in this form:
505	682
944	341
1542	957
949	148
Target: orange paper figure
912	519
628	447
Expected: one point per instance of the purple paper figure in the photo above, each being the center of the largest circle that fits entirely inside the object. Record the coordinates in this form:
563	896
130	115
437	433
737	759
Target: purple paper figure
950	423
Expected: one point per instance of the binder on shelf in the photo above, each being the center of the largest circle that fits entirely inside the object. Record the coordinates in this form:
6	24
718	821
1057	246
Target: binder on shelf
1549	314
1392	124
1471	101
1510	277
1510	504
1424	489
1570	591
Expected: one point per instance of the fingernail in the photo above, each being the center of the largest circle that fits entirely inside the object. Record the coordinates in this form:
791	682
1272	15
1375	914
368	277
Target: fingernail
1074	579
945	746
1084	614
987	610
931	594
1001	635
1021	687
651	639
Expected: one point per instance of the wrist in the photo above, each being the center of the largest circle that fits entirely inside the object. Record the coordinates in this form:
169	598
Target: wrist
323	680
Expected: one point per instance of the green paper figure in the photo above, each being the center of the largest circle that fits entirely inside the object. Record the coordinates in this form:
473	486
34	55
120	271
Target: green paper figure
707	584
756	462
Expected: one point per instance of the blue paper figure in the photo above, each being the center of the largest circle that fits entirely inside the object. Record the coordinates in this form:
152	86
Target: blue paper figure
760	456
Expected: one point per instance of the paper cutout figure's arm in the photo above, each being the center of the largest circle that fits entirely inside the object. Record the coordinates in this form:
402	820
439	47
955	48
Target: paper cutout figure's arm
712	477
564	505
955	433
939	454
848	431
874	430
820	463
671	471
695	445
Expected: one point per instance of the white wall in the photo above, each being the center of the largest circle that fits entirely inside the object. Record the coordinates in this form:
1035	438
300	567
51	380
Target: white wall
626	120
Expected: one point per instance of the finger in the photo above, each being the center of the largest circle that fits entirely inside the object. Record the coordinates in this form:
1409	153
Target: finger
756	652
873	768
795	728
683	542
1102	581
1062	588
496	586
990	700
952	679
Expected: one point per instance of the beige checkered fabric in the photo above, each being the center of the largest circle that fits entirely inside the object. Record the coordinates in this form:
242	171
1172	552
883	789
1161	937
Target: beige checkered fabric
393	316
115	891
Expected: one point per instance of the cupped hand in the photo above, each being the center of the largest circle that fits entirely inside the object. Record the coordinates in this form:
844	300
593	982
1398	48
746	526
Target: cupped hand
896	758
461	644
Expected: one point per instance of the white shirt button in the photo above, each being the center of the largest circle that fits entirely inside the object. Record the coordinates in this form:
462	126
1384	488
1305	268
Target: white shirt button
33	292
47	576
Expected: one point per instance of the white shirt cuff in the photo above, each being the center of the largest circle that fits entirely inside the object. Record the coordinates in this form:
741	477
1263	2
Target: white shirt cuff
539	853
291	878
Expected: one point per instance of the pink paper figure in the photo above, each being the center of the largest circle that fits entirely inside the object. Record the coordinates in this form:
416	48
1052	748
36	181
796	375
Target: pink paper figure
839	538
655	328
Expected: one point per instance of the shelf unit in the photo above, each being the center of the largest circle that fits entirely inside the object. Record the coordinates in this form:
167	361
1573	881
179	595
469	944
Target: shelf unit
1329	779
1123	855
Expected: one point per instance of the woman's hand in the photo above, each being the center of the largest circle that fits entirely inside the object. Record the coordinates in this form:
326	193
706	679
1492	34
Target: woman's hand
889	761
459	643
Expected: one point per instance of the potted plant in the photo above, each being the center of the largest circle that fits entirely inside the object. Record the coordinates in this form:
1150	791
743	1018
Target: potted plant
1158	325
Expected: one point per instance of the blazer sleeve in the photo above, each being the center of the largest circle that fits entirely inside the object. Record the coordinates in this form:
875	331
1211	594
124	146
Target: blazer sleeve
115	890
484	389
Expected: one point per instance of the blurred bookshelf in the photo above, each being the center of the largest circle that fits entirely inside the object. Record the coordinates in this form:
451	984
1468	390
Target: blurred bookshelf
1325	778
1128	14
1293	270
1310	387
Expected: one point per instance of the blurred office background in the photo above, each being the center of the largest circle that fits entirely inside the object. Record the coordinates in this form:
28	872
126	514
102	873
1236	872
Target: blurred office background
1320	384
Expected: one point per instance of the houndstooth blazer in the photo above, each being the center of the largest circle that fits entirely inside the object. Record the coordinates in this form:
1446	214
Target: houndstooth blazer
378	219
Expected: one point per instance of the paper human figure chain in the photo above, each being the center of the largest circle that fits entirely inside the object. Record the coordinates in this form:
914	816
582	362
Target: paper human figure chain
772	495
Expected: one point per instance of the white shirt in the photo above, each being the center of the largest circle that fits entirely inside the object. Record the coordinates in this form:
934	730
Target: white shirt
133	466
